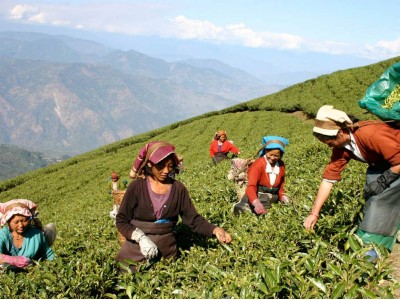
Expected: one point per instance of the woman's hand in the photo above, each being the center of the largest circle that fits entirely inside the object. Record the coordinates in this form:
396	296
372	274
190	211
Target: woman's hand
222	235
310	221
258	207
285	199
18	261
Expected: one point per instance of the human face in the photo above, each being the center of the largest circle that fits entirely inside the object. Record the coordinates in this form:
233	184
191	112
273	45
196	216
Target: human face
161	170
222	138
18	224
338	141
273	156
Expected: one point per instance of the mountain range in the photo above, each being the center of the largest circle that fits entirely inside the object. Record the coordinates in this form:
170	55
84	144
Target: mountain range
64	96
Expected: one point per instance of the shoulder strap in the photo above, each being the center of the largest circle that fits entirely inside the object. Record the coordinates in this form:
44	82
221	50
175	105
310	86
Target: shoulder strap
370	122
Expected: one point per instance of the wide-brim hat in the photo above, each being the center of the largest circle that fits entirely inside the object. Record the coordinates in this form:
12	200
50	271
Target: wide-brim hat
329	121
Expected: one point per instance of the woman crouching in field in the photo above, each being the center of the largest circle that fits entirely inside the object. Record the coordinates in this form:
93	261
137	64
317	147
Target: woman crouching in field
20	240
151	207
266	178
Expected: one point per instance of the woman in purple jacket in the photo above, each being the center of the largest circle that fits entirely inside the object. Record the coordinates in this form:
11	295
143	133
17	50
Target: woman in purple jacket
152	205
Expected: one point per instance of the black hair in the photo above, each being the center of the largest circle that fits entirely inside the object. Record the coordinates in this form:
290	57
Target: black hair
264	151
321	136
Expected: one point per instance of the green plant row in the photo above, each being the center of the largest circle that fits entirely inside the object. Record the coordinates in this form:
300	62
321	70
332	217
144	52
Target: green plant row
271	256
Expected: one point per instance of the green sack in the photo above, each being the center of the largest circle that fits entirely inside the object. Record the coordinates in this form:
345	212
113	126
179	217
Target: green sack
374	99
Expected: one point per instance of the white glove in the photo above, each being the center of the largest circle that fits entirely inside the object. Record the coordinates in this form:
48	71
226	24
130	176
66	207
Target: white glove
147	247
114	212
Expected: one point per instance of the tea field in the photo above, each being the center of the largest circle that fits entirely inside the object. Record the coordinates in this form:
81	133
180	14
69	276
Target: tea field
271	256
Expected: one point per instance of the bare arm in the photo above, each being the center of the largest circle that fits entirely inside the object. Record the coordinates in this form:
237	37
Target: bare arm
323	193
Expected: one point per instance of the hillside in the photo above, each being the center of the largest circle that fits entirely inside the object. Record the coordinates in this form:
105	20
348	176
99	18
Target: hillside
271	256
15	161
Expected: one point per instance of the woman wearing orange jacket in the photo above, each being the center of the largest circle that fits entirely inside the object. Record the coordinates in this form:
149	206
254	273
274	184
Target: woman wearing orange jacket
220	147
266	178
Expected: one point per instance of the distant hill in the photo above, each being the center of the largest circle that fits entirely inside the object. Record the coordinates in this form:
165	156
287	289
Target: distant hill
69	96
15	161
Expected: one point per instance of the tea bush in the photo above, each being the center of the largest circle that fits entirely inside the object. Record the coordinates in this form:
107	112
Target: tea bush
271	256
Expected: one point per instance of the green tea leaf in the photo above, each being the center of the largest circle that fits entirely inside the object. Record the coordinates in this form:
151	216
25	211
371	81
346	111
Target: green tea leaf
318	283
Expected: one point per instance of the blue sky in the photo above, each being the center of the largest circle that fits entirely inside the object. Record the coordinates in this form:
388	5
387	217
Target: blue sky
363	28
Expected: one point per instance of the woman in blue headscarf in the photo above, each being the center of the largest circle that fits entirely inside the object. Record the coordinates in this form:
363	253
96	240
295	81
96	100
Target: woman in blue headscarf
266	177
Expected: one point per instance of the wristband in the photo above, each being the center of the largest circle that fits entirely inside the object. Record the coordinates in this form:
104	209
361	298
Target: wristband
315	215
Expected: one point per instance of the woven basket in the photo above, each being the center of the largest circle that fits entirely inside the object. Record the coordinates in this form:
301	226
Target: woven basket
117	199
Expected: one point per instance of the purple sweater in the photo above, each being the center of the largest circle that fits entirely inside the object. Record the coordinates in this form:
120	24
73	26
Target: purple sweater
136	204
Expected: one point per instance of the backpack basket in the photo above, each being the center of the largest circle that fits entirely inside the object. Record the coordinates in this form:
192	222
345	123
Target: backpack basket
382	98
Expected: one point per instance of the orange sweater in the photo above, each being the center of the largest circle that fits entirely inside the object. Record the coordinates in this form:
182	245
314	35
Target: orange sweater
257	176
378	143
226	147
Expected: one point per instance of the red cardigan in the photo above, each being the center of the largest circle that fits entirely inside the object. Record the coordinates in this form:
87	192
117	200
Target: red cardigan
257	176
378	143
226	148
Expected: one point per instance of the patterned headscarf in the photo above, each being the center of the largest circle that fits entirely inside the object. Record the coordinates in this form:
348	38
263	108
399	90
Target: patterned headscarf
153	152
14	207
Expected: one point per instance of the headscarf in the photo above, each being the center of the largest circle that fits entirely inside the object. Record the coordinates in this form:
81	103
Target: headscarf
329	120
273	142
155	152
14	207
220	133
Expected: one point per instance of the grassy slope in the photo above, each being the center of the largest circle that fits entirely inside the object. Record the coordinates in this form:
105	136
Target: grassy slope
271	256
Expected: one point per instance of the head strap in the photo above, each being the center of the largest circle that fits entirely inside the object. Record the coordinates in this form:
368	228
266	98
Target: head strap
274	141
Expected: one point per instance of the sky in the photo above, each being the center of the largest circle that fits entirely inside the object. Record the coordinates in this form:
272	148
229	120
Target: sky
363	28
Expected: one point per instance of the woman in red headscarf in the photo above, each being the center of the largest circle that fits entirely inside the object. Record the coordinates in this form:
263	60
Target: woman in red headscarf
152	205
220	147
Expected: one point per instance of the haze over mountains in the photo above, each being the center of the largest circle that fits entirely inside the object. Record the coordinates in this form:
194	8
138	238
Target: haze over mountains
64	95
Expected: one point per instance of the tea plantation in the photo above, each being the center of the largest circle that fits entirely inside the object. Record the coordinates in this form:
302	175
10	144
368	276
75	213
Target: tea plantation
271	256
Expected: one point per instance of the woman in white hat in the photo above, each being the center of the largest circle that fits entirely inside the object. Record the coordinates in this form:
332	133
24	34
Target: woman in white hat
152	206
377	144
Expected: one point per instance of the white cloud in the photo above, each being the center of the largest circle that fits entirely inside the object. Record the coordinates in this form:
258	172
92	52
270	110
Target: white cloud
22	11
196	29
233	33
150	18
383	49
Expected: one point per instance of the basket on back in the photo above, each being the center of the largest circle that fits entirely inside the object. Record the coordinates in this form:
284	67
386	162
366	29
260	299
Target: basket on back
117	199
